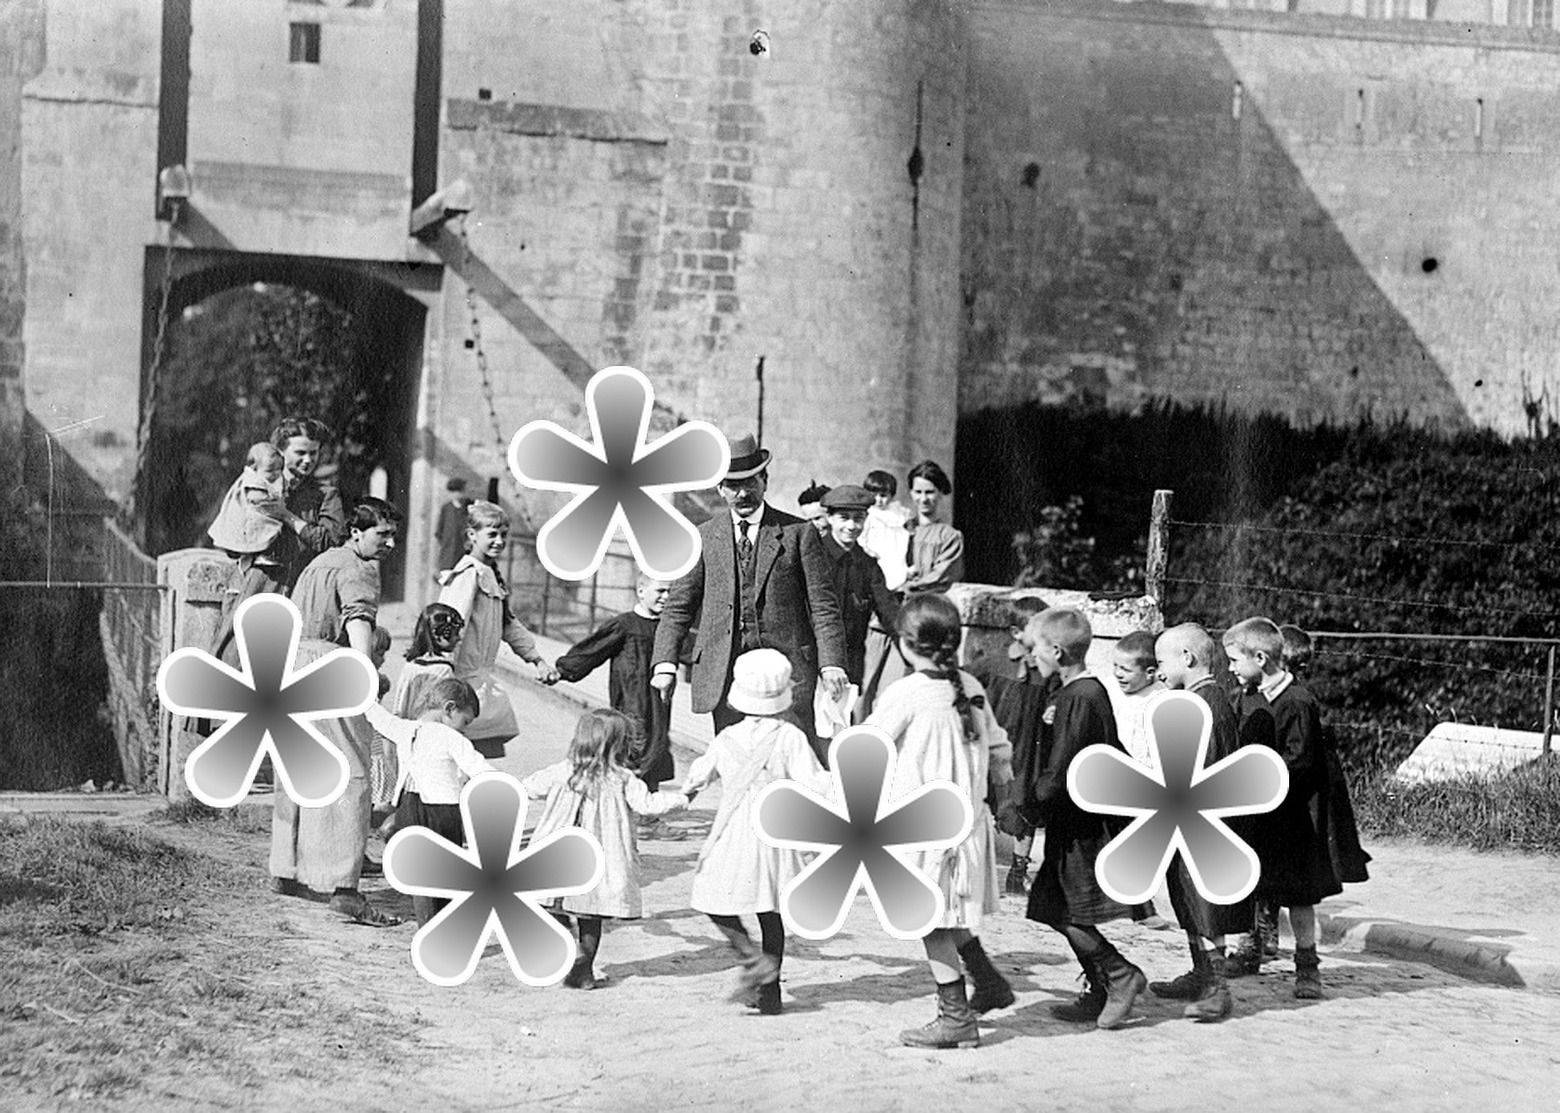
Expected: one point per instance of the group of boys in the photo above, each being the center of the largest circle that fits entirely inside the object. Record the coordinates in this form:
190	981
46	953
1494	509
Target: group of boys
1307	847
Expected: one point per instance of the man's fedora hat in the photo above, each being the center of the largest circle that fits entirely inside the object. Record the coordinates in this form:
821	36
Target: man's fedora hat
747	459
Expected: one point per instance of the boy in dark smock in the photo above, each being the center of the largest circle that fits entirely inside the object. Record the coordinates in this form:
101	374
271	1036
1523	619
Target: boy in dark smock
1066	894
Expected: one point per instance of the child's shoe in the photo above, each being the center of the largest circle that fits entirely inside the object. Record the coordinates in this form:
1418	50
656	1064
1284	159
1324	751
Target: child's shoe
1215	1003
1191	985
1267	928
955	1024
1308	980
1123	983
992	990
1087	1006
581	976
1245	959
767	999
1017	883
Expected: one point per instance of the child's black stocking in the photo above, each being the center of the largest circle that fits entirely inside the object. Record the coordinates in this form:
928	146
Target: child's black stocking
772	929
1086	941
590	941
736	935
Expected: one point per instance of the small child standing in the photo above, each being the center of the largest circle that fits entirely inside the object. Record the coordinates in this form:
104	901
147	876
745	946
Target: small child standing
1066	894
737	873
241	527
943	731
628	641
1137	682
595	789
435	761
430	658
1185	656
428	661
1291	840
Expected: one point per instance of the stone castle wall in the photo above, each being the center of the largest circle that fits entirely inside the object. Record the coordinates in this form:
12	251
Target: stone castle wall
1307	215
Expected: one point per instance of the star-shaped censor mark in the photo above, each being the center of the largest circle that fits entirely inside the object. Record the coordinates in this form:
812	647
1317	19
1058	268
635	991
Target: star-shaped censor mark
620	479
859	843
267	708
493	886
1178	803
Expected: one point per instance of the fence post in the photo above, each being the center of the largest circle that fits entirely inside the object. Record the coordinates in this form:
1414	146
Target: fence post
1549	702
1158	547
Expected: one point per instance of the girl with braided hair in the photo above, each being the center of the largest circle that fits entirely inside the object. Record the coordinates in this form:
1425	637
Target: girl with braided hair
944	731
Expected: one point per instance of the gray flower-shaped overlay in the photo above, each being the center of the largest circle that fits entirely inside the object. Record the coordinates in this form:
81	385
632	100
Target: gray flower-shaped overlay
493	886
619	480
1178	804
859	843
267	708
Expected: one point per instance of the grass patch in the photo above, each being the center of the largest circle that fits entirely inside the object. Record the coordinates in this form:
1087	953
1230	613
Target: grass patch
138	969
1518	810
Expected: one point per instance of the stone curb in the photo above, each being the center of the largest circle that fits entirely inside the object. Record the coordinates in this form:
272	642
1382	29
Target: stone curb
1439	947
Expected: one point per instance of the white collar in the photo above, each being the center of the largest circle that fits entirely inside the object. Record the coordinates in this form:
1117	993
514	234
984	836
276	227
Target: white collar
754	519
1274	688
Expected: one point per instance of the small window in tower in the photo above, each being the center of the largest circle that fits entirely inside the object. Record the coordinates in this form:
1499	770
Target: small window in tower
304	43
1543	13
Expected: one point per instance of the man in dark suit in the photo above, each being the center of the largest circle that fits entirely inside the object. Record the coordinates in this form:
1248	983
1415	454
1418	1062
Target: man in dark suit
762	581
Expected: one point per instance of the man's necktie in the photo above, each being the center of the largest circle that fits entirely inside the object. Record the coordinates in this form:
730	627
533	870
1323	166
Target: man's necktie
745	544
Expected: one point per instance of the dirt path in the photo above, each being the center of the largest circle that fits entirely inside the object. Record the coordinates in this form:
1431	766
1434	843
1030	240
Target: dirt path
660	1034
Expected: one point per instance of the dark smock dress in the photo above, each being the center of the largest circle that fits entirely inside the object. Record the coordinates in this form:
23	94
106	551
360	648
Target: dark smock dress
628	641
1194	912
1065	890
1291	840
1019	706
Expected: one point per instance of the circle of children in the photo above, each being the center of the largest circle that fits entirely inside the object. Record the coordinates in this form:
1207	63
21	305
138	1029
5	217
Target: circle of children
803	625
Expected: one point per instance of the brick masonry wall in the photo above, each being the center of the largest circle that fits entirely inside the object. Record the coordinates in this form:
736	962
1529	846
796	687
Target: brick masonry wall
1369	234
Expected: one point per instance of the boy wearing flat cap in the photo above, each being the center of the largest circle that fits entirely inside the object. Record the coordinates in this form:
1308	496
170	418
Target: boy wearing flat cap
762	581
859	583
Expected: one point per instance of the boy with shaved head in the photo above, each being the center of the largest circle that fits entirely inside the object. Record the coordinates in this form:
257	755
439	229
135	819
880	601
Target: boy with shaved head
1184	656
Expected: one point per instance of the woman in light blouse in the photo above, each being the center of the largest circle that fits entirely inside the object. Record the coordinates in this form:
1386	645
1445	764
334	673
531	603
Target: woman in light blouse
936	548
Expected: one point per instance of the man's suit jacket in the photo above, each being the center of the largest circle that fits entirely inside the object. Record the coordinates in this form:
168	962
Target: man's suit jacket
798	613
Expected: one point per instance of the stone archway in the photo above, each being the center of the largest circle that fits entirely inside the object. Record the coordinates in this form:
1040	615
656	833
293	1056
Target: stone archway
377	314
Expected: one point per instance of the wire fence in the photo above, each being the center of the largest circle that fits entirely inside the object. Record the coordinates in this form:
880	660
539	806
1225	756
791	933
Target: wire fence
1458	650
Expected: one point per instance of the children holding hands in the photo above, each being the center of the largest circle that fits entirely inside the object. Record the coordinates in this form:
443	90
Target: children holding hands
737	873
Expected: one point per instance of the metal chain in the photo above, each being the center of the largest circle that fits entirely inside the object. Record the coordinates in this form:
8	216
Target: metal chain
499	440
143	433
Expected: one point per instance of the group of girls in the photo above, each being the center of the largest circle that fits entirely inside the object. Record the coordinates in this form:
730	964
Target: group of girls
942	730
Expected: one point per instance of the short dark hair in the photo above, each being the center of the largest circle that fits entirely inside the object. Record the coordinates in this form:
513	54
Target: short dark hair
369	512
1139	646
881	483
814	493
930	471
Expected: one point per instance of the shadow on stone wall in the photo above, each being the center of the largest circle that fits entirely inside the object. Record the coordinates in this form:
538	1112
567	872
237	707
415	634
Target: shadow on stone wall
1131	231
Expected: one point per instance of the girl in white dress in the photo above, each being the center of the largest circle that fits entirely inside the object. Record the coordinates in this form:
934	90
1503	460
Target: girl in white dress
596	788
943	730
739	874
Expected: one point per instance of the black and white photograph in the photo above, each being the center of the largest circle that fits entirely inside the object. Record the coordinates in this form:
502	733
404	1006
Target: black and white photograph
1076	359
